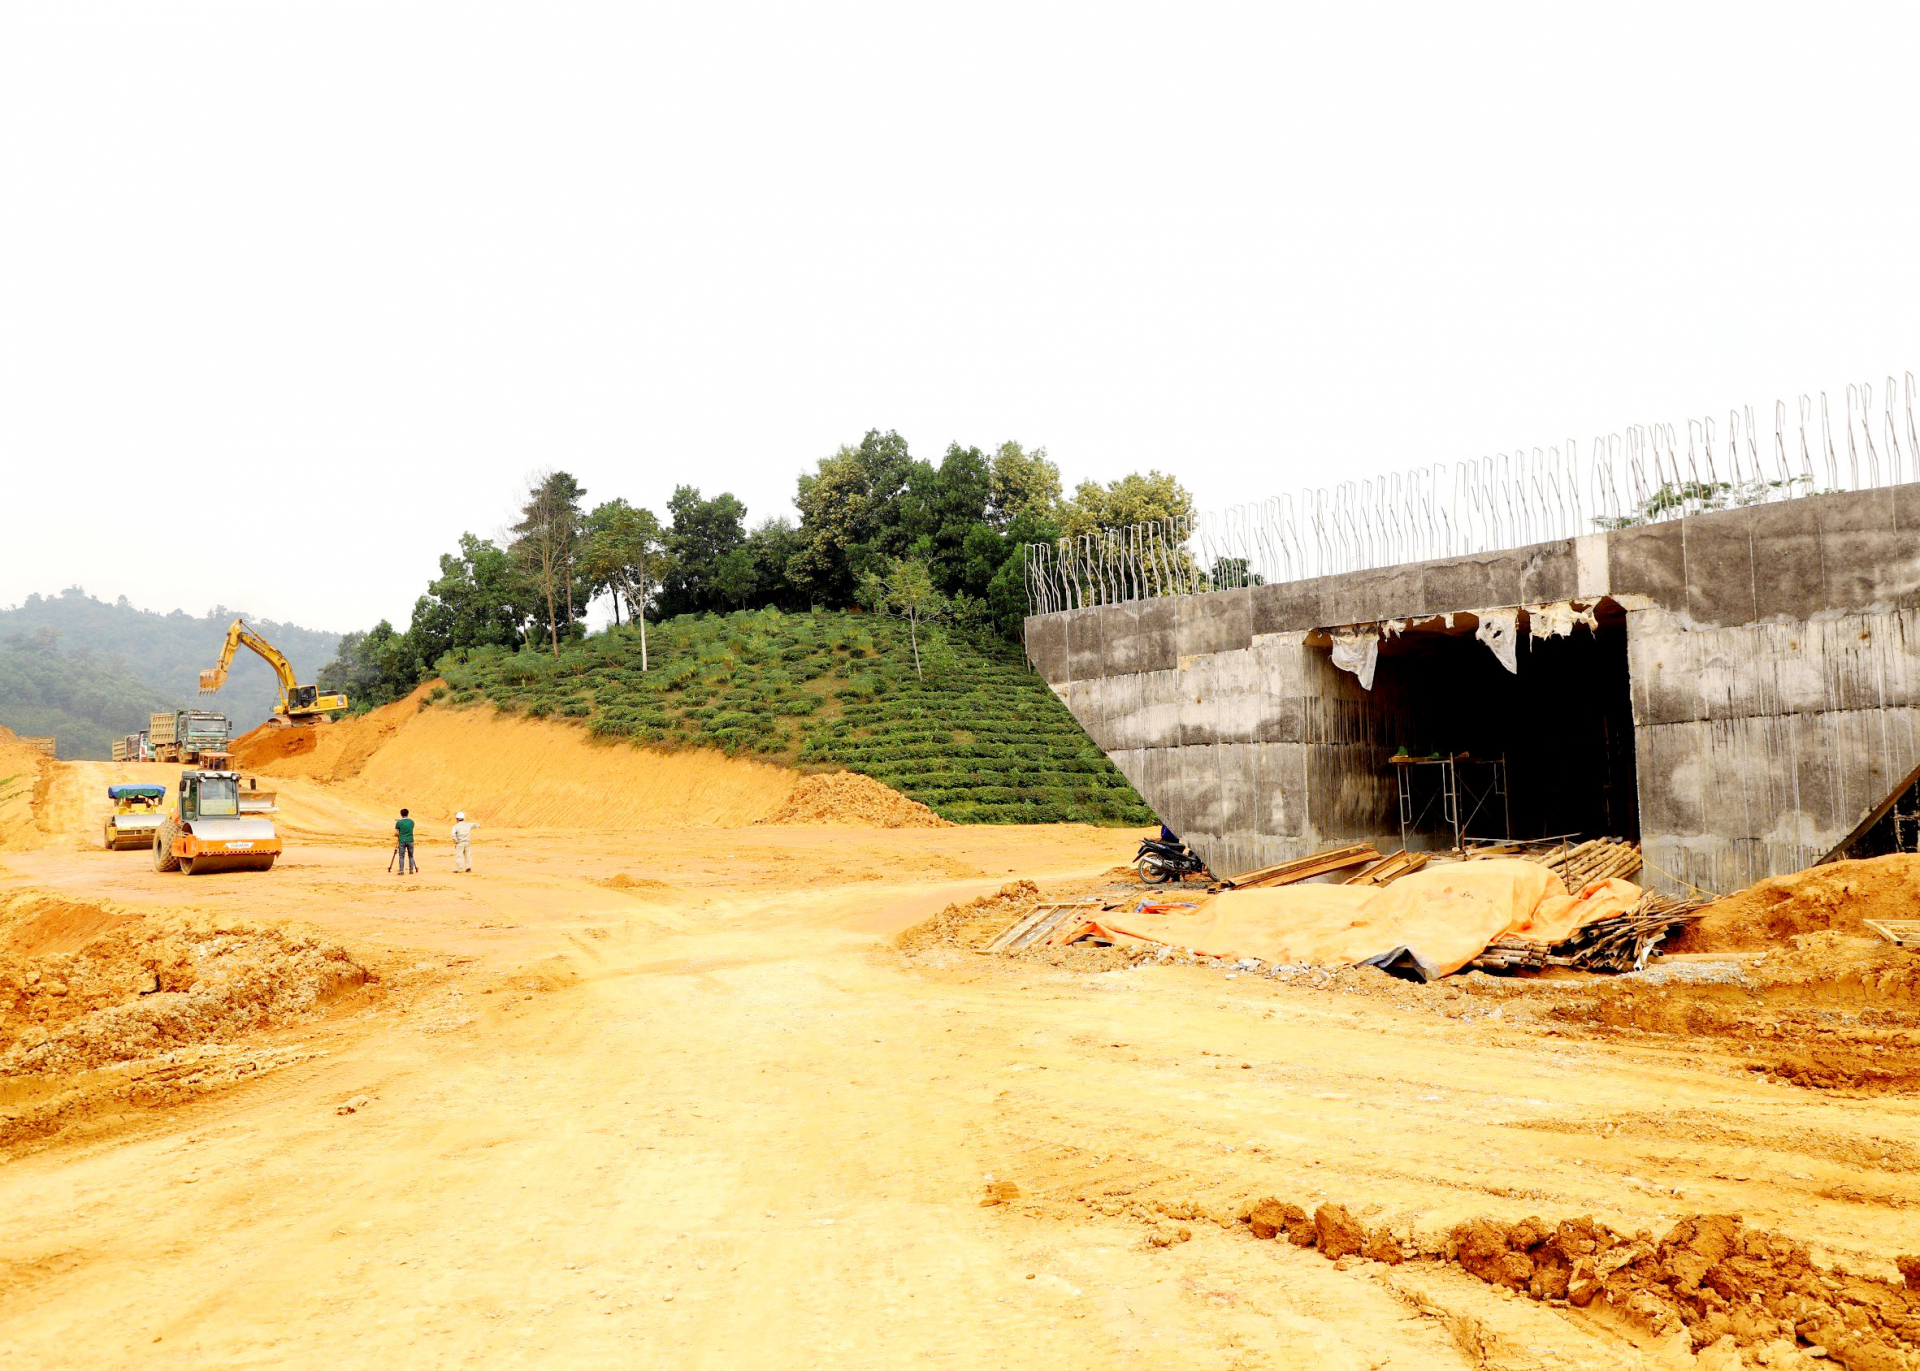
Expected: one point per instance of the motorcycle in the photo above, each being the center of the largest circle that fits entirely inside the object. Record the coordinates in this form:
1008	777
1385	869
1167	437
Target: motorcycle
1160	862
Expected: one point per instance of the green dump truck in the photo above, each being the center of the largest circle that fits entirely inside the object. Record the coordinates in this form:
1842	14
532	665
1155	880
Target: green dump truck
186	735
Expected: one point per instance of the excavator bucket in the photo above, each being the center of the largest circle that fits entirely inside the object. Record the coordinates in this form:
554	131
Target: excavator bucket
211	680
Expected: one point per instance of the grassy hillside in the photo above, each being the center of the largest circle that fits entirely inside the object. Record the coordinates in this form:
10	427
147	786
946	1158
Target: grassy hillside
982	739
81	701
167	651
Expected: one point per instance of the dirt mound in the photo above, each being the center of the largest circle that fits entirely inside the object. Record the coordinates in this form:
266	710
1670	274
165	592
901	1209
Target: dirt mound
506	770
270	743
145	986
1711	1275
847	797
973	924
1822	898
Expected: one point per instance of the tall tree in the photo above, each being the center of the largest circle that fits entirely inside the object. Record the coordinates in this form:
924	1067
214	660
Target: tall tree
1133	499
1024	484
479	599
703	532
848	516
547	544
625	555
940	507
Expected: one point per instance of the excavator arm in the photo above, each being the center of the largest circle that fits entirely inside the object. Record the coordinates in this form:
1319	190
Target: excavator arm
292	697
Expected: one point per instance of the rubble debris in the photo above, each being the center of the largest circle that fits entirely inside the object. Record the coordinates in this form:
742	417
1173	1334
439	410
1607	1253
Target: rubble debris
1619	942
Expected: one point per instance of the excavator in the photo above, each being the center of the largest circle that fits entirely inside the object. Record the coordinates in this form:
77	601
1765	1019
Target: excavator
299	704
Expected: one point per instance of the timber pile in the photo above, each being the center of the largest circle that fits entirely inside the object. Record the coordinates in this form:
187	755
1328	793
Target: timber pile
1621	942
1598	859
1391	868
1302	868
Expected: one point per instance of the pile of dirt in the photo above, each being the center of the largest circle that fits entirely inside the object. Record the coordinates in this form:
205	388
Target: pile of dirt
1837	897
270	743
847	797
1725	1284
143	986
25	774
971	925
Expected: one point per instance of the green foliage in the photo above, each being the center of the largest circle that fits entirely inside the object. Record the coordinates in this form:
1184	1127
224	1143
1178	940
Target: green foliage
165	653
83	699
1134	499
1697	497
703	536
979	737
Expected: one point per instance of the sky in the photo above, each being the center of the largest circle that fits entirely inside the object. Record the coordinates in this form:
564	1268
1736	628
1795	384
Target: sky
291	297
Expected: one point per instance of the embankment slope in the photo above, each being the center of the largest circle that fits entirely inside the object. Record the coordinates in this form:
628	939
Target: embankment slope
518	772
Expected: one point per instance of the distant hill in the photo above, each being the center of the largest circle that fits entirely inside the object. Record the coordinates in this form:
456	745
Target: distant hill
81	701
103	642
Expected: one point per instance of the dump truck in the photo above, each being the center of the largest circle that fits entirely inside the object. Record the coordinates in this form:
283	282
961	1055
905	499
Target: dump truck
187	735
209	830
299	704
137	812
133	748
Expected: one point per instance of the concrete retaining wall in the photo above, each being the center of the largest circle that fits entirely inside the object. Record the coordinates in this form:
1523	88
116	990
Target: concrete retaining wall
1774	656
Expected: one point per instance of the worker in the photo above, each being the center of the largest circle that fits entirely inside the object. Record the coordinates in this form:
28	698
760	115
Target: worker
403	835
462	842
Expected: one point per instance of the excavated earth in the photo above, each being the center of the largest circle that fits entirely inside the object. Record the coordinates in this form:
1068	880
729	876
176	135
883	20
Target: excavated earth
666	1082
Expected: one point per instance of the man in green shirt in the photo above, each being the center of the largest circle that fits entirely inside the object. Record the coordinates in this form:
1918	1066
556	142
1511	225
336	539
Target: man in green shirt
403	835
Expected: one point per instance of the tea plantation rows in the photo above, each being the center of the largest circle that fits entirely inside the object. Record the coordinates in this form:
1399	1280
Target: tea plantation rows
981	739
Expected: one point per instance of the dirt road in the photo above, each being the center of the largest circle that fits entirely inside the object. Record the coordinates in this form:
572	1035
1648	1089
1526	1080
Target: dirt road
696	1110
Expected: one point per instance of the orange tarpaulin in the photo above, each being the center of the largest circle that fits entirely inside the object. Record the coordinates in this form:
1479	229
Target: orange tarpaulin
1445	916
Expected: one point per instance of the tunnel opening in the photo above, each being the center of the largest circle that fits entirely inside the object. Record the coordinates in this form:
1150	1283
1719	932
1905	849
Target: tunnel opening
1542	751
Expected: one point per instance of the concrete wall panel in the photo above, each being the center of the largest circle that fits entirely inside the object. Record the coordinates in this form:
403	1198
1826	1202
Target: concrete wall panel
1719	551
1221	622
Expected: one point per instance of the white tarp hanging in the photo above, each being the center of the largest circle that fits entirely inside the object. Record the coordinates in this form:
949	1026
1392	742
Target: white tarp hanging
1557	620
1357	650
1500	630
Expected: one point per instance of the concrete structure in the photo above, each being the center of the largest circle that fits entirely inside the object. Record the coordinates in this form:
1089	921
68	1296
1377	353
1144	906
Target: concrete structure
1748	689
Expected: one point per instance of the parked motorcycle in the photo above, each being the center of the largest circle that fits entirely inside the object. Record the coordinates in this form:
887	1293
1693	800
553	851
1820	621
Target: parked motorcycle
1162	862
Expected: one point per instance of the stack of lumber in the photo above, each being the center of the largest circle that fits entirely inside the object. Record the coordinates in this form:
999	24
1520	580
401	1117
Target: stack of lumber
1625	941
1391	868
1512	954
1302	868
1622	942
1598	859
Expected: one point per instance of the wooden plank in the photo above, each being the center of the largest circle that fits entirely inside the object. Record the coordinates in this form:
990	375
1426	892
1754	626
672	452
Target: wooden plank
1048	926
1314	864
1899	932
1020	925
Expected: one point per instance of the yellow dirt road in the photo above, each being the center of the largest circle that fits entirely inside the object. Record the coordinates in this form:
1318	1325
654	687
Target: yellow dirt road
708	1116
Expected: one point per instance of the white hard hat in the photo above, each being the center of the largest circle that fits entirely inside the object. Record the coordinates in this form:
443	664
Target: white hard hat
461	815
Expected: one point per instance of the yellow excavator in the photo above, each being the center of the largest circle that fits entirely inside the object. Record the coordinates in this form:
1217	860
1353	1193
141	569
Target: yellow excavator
299	704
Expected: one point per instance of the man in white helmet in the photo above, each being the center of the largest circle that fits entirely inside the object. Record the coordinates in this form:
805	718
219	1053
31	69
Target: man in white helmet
462	842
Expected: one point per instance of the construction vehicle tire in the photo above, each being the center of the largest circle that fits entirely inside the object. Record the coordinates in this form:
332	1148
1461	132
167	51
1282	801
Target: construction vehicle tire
186	866
113	839
163	858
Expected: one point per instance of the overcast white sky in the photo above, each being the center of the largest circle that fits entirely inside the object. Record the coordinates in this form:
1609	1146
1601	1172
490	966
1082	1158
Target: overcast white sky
292	296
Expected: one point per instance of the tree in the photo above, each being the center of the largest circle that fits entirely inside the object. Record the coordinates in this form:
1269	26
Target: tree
1024	483
374	667
940	507
547	544
1133	499
703	532
479	599
625	556
848	517
905	588
772	546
